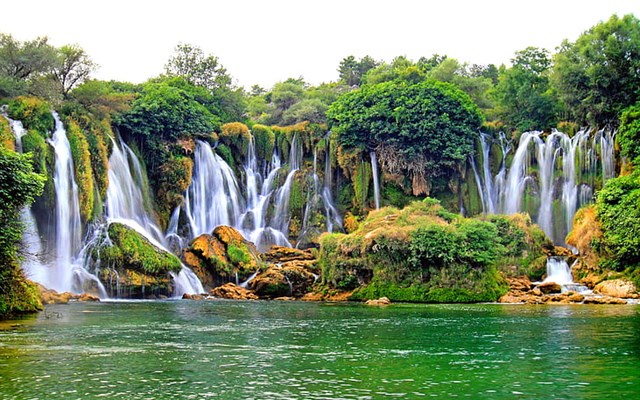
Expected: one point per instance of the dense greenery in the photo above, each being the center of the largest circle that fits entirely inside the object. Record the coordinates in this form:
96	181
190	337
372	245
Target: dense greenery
424	130
19	185
424	253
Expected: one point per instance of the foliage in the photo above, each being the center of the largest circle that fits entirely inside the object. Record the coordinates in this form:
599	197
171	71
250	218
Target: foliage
265	141
34	113
236	136
7	140
598	76
422	253
311	110
22	62
72	67
173	182
618	209
103	99
628	136
168	109
82	168
523	93
131	250
351	70
422	130
19	186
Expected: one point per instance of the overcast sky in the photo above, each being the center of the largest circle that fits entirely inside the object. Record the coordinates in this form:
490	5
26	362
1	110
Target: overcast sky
263	41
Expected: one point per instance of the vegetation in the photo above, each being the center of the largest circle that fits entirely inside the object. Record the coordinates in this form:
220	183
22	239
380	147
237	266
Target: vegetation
19	186
422	253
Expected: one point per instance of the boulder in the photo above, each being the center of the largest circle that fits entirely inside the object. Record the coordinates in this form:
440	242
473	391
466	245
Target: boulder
132	266
382	301
88	297
620	288
189	296
282	254
550	287
221	257
234	292
521	283
290	279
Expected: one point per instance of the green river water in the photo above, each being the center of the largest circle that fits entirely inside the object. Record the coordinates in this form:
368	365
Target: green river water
295	350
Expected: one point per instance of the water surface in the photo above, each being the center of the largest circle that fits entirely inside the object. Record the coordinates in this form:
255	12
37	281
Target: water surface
296	350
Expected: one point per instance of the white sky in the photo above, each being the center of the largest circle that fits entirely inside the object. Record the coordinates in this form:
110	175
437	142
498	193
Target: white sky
266	41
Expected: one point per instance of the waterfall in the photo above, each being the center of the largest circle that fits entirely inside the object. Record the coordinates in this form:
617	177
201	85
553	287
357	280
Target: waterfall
125	204
68	225
213	198
281	217
376	181
126	192
557	173
332	215
558	271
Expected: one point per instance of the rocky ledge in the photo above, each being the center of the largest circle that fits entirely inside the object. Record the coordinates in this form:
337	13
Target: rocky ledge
523	291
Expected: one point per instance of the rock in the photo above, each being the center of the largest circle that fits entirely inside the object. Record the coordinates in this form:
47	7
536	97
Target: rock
521	283
290	279
620	288
188	296
282	254
234	292
382	301
285	298
134	267
221	257
88	297
550	287
603	300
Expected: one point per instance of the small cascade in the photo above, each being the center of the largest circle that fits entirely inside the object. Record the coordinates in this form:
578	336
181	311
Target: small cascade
281	217
213	198
376	179
550	178
558	272
126	193
334	220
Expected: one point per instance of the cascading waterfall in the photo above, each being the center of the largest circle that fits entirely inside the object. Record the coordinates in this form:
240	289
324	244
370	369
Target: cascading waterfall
376	179
281	217
559	272
332	215
125	204
556	175
213	198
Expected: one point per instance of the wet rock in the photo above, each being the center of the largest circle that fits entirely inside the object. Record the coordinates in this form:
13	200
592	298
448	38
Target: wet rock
282	254
189	296
234	292
550	287
382	301
620	288
521	283
88	297
221	257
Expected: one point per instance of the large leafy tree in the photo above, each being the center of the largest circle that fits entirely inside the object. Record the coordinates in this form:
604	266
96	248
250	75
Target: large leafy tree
523	93
21	62
423	130
72	67
352	70
204	70
599	75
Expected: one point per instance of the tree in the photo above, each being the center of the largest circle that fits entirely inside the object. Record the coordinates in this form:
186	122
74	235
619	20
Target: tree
190	63
351	70
598	76
73	66
22	62
422	131
524	94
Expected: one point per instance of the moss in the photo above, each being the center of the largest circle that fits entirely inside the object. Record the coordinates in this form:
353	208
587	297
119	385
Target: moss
265	141
174	180
7	140
43	163
99	141
361	182
236	136
238	255
82	168
226	154
34	113
18	295
130	250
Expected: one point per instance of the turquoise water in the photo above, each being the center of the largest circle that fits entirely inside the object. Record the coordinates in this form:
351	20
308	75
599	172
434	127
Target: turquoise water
295	350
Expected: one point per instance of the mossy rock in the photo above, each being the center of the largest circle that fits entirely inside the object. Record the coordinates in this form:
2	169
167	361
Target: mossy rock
82	168
221	257
18	295
289	279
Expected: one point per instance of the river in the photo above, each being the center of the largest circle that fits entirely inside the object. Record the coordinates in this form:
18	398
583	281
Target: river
295	350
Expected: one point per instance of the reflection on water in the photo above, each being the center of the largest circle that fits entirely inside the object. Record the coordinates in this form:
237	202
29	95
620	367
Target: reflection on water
223	349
